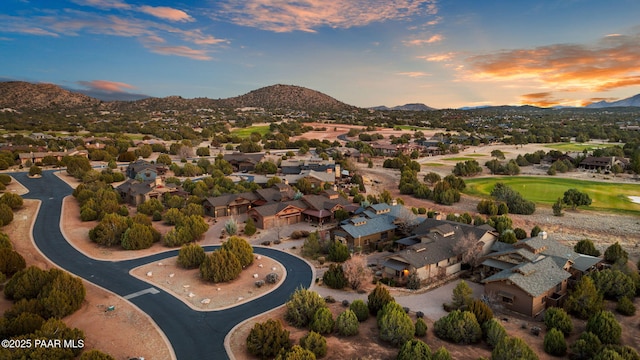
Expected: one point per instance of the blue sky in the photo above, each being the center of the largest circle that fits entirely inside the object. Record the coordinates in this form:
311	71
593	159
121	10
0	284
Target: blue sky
363	52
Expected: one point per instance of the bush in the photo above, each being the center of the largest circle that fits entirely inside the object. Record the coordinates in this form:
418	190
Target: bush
360	309
259	283
481	310
220	266
558	318
613	284
347	323
323	322
241	249
297	352
395	325
267	339
626	307
458	326
95	355
334	277
605	326
421	327
250	227
510	348
378	298
414	350
6	214
338	252
554	343
615	253
14	201
191	256
315	343
462	295
493	332
586	247
302	307
137	237
587	345
10	261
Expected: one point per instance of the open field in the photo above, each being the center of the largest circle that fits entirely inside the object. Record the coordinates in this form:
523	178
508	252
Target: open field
461	158
577	146
246	132
610	197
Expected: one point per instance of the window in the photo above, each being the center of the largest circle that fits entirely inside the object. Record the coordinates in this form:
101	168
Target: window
507	300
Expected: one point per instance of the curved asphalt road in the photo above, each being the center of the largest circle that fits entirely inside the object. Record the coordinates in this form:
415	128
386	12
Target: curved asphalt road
193	334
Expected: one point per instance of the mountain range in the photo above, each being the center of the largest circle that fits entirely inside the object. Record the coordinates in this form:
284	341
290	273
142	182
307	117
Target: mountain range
27	96
20	95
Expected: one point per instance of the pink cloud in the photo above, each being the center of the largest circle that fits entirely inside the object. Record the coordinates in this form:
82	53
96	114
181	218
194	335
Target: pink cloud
414	74
419	42
184	51
608	64
438	57
166	13
104	4
106	86
307	15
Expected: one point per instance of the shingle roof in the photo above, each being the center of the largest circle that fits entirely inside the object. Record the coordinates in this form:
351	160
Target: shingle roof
274	208
370	227
535	278
226	199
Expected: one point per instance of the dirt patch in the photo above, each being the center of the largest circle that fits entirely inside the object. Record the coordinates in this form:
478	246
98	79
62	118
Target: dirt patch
187	286
331	131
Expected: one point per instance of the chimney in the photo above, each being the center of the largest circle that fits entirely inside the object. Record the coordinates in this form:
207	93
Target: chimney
543	235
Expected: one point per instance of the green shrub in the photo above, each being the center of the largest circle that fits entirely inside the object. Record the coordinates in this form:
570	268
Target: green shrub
441	354
338	252
481	310
462	295
11	261
95	355
554	343
605	326
297	352
587	345
510	348
250	227
241	249
267	339
458	326
323	322
137	237
302	307
315	343
493	332
347	323
395	325
360	309
626	307
558	318
421	328
191	256
220	266
334	277
414	350
378	298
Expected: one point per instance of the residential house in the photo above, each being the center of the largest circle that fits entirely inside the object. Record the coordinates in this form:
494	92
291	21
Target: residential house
38	156
135	192
372	228
603	163
143	170
229	204
533	274
243	162
321	208
436	250
277	214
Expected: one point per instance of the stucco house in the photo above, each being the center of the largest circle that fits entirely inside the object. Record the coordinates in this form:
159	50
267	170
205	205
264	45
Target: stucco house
277	214
135	192
436	250
143	170
229	204
533	274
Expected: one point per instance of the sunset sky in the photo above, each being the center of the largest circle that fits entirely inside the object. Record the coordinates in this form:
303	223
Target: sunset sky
445	54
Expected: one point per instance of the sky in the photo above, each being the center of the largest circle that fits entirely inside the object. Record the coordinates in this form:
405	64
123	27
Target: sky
442	53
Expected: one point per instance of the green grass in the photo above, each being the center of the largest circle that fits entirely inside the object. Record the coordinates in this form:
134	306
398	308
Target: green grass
574	146
610	197
409	127
246	132
461	158
432	164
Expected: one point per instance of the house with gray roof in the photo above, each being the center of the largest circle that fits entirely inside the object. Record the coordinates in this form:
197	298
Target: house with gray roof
365	233
437	250
229	204
533	274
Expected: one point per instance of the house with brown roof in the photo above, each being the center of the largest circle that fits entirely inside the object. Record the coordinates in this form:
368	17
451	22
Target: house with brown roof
603	163
435	250
229	204
321	208
533	274
38	156
243	162
135	192
143	170
277	214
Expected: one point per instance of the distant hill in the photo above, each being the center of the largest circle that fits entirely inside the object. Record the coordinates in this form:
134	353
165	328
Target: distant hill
21	95
406	107
630	101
